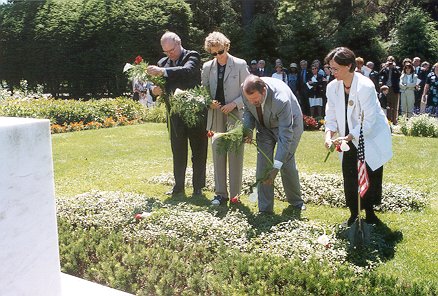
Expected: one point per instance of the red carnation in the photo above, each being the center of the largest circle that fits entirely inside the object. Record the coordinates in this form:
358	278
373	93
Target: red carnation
138	216
338	148
234	200
138	60
210	134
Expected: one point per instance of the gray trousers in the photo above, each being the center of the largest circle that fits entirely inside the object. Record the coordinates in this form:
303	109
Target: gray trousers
266	141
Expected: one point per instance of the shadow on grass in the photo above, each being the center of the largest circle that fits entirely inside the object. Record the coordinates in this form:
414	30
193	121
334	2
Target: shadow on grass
382	246
261	222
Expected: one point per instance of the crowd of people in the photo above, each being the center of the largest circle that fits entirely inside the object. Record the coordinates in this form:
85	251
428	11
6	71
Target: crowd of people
411	88
272	108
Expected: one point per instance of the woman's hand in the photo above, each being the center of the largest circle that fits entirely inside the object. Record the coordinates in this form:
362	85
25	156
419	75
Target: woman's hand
215	105
228	107
338	141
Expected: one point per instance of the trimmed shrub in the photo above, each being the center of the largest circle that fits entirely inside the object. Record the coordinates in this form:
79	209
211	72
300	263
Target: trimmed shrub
419	126
66	112
183	250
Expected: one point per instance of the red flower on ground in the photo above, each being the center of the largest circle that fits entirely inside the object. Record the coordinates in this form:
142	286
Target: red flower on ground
234	200
138	60
138	217
210	134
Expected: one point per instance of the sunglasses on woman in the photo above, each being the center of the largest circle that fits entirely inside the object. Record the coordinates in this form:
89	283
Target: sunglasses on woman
219	52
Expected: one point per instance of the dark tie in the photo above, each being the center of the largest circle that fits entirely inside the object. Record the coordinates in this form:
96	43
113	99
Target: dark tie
260	115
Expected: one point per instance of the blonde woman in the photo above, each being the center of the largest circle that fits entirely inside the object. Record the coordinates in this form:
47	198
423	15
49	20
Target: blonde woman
223	76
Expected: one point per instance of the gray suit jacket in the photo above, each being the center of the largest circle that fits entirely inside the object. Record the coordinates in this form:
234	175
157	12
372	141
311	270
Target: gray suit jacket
235	73
282	117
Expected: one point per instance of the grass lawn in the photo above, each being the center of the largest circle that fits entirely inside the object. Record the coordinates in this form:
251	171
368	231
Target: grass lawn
123	158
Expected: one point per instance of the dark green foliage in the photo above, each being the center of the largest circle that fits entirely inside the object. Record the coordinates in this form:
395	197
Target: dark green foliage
69	111
78	48
416	35
172	267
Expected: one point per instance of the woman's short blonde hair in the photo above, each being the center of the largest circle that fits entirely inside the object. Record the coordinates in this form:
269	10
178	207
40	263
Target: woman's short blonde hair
216	39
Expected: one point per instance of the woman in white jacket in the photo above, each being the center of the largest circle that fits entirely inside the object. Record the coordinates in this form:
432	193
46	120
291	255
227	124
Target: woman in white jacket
352	99
408	82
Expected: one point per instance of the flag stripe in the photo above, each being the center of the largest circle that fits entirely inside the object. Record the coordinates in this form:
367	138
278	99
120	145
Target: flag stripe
362	173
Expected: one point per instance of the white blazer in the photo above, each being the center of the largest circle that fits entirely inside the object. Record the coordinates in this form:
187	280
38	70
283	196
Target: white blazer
362	98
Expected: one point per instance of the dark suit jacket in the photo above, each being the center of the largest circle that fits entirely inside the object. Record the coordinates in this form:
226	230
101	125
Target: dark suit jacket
301	85
185	74
395	78
317	87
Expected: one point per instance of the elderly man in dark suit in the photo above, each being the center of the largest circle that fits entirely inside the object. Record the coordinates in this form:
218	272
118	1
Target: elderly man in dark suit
272	108
181	69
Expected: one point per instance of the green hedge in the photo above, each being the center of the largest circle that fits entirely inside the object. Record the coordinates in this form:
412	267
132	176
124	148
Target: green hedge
69	111
172	267
182	249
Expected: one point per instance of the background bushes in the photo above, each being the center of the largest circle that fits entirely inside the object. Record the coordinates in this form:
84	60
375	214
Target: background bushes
78	48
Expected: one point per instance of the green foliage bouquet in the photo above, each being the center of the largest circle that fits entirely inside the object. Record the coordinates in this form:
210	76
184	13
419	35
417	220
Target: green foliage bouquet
190	104
138	71
230	141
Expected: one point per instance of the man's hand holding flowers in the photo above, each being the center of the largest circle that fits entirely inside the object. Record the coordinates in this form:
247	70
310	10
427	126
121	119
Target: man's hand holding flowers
155	71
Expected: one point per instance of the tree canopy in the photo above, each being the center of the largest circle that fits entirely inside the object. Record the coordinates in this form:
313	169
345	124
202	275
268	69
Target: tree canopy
79	47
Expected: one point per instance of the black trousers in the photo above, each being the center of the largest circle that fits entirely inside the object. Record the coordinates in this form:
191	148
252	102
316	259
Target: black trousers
180	135
373	196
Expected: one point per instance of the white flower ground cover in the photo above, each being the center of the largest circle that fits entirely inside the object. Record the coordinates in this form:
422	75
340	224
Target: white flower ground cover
323	189
295	239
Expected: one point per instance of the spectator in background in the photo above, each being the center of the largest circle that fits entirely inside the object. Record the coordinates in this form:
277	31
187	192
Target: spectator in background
416	62
327	78
384	89
302	87
390	76
359	65
408	83
422	76
317	63
261	71
373	75
405	61
253	67
430	94
292	78
315	85
279	73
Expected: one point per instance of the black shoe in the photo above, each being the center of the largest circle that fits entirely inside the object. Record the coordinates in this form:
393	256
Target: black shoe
197	191
174	192
351	220
219	200
371	217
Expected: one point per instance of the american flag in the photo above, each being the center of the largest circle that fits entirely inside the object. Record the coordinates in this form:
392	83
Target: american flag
362	174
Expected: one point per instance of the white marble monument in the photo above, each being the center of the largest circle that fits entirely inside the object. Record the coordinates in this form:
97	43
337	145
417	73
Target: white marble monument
29	257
